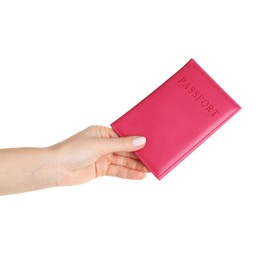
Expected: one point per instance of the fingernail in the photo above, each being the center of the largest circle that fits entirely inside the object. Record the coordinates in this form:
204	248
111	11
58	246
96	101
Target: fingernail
139	141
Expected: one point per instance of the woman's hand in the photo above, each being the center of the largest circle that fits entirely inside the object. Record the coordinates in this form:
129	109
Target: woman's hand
98	151
94	152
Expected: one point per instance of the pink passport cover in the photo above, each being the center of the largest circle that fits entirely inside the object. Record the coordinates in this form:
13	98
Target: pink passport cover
177	117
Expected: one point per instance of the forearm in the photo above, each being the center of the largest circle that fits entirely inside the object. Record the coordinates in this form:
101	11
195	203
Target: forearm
93	152
26	169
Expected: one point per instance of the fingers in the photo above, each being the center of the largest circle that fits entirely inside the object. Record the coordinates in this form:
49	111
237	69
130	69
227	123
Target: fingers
101	131
127	168
107	140
127	154
126	173
128	162
133	156
120	144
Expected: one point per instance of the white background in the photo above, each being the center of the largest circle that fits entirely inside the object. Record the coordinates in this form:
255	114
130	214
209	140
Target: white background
66	65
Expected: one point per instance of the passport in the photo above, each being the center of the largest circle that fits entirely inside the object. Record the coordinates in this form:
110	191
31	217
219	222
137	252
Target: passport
177	117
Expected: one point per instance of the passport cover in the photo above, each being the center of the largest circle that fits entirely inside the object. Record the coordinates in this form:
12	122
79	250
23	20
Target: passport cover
177	117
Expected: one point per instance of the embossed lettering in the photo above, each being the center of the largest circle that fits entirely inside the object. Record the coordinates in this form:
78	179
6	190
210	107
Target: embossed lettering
209	108
198	96
216	112
205	103
185	85
196	93
201	97
183	79
191	89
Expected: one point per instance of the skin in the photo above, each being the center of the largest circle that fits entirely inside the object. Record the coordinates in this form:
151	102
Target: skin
94	152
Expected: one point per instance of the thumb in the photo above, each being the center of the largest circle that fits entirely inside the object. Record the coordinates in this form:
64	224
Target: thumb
122	144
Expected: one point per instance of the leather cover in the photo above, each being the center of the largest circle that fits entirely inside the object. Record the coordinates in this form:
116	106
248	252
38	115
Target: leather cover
177	117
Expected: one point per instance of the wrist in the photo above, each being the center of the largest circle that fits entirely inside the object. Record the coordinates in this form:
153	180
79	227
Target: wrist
45	174
55	166
26	169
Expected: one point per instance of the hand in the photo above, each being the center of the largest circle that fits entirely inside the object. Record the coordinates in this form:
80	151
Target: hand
97	151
